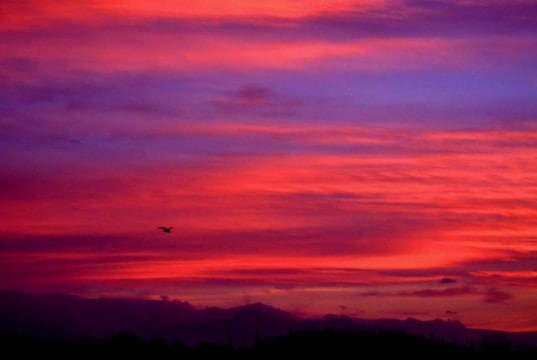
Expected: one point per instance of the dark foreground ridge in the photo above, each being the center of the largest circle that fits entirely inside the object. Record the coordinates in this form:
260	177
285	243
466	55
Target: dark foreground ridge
328	344
61	324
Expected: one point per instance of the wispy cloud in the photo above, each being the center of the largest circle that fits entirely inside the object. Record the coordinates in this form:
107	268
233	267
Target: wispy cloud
334	150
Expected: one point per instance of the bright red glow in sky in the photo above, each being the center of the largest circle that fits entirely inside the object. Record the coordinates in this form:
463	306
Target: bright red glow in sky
374	156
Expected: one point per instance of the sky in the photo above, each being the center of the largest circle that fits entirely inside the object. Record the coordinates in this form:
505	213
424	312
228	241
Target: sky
374	158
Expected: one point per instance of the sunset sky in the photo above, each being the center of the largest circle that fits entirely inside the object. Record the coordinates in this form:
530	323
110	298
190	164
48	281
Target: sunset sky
369	158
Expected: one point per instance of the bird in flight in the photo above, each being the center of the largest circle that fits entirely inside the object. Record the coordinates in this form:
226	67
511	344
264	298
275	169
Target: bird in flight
166	229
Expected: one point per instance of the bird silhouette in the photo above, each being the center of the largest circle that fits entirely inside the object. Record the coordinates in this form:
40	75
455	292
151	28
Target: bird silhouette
166	229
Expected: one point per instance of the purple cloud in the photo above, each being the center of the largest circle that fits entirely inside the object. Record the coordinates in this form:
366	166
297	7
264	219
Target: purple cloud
450	292
494	295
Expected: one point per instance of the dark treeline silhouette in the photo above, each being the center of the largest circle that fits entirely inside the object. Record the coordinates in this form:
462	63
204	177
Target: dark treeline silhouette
64	316
328	343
